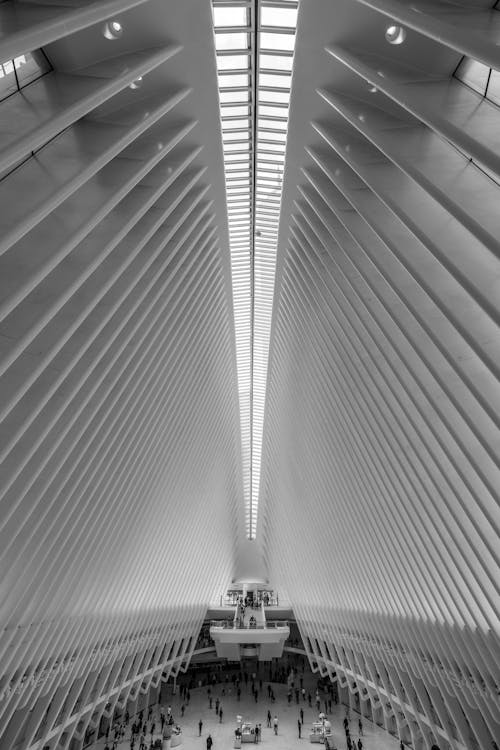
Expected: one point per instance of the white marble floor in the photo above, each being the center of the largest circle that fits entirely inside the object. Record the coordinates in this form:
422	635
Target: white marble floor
374	738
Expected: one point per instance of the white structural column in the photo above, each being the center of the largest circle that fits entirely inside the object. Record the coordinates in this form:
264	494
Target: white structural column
121	487
386	341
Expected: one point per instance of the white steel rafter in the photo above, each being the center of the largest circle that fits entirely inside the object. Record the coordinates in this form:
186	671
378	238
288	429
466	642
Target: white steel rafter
254	43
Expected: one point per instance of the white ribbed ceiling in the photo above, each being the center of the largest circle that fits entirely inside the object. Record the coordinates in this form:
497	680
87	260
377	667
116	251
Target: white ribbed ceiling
125	484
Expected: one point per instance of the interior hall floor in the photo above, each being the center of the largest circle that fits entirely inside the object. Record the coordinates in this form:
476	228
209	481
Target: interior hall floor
374	738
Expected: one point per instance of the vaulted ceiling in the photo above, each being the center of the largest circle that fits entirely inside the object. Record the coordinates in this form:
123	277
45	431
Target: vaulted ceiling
303	351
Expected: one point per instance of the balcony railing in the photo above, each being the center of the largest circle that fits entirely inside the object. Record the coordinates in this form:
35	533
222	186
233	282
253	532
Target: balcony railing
234	625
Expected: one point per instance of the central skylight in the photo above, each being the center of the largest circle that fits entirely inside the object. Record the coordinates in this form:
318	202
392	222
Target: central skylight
254	43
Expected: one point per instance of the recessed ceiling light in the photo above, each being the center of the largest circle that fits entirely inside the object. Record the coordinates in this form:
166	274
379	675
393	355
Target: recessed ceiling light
112	29
137	83
395	34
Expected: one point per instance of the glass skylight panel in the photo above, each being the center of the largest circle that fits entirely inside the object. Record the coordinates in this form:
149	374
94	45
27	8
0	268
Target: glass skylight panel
275	79
232	111
274	97
227	15
230	124
268	135
232	62
236	40
233	97
230	80
268	109
237	135
282	17
275	62
234	157
275	41
264	122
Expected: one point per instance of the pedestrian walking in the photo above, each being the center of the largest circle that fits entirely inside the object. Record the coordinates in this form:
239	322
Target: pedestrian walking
217	704
301	715
256	734
210	742
360	744
269	718
183	708
299	726
200	727
275	725
360	725
220	715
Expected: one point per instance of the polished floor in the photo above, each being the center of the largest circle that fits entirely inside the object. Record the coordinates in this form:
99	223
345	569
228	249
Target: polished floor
222	733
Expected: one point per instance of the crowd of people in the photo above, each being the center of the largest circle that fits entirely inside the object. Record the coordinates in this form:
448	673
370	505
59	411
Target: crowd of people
279	683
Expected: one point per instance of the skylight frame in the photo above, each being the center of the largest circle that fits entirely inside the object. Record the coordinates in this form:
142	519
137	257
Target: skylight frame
254	200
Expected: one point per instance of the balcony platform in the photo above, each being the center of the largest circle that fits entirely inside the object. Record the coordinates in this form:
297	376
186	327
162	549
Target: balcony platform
237	638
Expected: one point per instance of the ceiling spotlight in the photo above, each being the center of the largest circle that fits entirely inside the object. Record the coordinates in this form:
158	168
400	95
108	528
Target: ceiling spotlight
373	89
112	29
395	34
136	84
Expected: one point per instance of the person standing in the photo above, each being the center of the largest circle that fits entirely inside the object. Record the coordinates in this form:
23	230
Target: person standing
183	708
360	725
210	742
220	715
301	715
299	726
360	744
256	734
275	724
200	727
217	703
269	718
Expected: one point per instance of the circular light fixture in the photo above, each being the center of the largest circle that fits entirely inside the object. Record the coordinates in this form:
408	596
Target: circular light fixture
112	29
395	34
373	89
136	84
361	118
